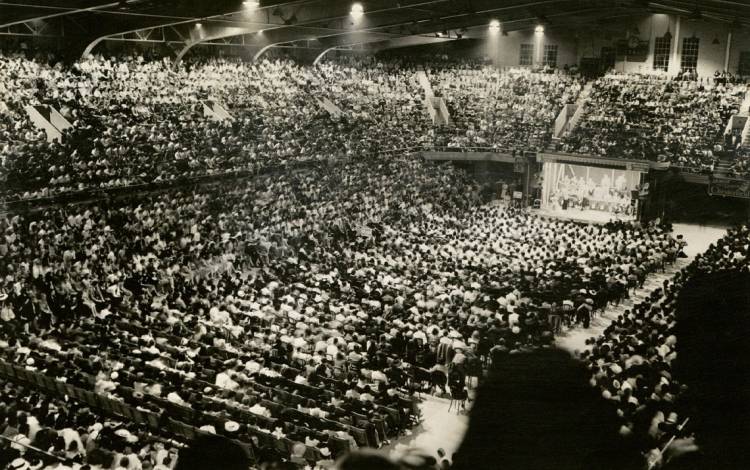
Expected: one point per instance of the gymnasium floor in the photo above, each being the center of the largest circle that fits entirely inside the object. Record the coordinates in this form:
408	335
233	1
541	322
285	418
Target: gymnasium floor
443	429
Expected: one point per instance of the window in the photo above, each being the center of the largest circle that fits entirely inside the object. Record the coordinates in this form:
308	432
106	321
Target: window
689	53
550	55
661	53
527	54
744	66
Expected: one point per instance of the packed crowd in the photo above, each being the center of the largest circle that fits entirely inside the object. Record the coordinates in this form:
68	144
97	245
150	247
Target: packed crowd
632	361
384	98
302	307
40	431
507	110
136	121
657	119
296	312
740	164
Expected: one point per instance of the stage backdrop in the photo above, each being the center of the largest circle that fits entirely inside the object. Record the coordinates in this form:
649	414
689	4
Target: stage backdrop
604	189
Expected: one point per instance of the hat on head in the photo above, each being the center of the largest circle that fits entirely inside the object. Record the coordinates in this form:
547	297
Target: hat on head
19	464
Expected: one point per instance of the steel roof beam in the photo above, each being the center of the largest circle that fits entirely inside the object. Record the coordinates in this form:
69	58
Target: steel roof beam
65	11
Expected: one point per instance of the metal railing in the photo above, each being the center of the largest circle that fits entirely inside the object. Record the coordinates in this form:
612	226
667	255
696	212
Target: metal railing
260	167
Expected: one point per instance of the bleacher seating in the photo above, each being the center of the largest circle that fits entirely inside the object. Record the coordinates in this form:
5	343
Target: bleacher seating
657	119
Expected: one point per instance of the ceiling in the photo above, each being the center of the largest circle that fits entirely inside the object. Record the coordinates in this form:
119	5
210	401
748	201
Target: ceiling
321	24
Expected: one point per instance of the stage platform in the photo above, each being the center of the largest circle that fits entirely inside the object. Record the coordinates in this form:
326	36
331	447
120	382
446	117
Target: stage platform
587	216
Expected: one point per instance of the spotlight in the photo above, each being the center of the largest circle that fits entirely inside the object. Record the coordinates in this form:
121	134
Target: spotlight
357	11
198	24
251	4
539	29
494	26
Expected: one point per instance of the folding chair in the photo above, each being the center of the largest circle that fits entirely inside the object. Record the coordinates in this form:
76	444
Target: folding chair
38	379
186	431
61	388
127	411
284	446
95	400
380	427
248	448
153	420
139	416
360	436
338	446
458	398
393	414
70	391
22	375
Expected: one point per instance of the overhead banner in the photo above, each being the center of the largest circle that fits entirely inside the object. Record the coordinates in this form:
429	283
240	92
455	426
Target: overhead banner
633	165
470	156
730	188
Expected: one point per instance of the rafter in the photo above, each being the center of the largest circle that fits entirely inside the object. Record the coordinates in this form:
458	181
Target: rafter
60	11
304	20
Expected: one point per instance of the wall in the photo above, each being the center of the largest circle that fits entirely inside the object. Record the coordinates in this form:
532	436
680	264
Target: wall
711	57
504	51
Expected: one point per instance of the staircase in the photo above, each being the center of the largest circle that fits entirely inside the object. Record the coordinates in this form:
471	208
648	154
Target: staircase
746	134
442	108
580	105
425	83
332	109
745	106
214	110
569	117
435	105
49	120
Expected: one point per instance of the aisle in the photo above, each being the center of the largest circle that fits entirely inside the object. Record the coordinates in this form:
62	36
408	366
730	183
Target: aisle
443	429
440	428
698	239
575	340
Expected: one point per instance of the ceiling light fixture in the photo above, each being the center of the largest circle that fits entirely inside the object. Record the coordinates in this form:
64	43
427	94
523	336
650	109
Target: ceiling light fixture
357	11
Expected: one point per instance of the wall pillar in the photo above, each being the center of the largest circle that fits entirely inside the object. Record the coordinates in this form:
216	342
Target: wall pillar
728	50
676	54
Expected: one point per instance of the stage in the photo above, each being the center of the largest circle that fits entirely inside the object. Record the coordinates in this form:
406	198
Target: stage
588	194
586	216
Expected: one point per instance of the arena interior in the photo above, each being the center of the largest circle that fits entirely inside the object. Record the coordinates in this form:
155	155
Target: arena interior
416	234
